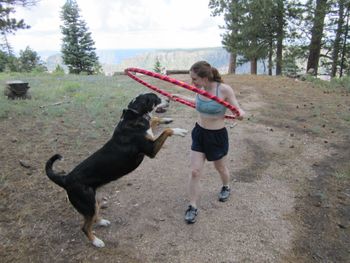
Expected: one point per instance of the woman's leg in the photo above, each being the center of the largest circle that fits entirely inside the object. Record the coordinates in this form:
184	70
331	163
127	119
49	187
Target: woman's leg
221	167
197	163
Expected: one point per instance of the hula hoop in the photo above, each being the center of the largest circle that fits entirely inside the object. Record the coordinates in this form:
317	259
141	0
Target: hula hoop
181	84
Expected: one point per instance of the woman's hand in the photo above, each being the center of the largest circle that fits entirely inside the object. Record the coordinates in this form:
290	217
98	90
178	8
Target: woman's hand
174	96
241	114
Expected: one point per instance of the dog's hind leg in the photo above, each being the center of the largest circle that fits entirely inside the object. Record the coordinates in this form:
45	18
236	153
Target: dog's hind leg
100	221
87	229
83	199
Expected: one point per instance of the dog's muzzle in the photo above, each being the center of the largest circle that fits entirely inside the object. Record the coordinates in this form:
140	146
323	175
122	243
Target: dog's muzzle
160	108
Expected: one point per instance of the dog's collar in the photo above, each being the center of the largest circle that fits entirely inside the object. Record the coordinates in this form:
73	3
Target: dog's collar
146	115
134	111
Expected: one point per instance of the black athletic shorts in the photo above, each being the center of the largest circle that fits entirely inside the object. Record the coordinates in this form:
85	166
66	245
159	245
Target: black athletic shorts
213	143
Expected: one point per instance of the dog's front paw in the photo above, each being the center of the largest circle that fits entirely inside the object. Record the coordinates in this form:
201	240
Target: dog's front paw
98	242
179	131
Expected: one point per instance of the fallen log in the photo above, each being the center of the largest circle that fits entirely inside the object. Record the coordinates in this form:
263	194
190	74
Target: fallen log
177	71
53	104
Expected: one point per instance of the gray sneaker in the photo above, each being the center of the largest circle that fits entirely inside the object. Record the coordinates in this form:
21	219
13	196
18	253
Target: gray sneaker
224	194
190	215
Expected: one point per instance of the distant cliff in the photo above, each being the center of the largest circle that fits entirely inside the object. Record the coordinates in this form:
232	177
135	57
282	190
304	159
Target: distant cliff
178	59
119	59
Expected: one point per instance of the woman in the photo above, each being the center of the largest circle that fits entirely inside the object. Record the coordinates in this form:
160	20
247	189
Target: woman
209	136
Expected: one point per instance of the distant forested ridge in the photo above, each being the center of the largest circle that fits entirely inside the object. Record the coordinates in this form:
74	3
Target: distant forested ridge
117	60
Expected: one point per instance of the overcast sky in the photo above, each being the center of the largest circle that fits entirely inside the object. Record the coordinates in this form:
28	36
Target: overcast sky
118	24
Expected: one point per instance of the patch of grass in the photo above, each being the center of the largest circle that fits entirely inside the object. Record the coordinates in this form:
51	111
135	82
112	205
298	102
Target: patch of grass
14	107
56	111
342	174
56	95
316	130
78	143
342	84
71	87
4	110
3	179
345	116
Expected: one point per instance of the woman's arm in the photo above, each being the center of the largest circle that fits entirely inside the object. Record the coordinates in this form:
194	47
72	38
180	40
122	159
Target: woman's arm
230	97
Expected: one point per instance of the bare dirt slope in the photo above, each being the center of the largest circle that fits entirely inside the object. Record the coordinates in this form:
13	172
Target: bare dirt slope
290	178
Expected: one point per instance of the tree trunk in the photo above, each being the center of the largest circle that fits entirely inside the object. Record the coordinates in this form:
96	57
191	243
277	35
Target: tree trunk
270	57
17	90
253	66
344	44
316	37
280	36
336	45
232	63
279	56
7	45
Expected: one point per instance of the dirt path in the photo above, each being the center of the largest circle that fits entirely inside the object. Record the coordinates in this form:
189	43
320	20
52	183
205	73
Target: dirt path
281	179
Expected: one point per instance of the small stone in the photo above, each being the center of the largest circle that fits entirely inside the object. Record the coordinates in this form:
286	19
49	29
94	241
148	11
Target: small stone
24	164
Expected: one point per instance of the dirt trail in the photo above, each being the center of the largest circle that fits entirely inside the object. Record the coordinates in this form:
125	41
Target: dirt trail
272	167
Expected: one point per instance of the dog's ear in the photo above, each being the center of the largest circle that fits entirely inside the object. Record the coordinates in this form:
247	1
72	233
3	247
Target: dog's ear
151	104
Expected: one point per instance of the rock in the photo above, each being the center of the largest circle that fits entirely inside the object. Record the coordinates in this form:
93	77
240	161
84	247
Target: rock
24	164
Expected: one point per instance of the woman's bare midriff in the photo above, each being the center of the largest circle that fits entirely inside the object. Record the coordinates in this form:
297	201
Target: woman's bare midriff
211	123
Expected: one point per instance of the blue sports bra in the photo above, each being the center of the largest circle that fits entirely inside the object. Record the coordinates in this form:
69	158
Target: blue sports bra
210	107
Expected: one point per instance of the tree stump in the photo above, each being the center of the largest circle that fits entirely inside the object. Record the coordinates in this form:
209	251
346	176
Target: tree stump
17	89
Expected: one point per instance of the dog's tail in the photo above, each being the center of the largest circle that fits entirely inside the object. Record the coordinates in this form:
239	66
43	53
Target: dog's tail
57	179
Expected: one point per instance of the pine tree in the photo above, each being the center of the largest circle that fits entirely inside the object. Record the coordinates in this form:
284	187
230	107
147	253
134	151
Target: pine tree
251	30
10	24
232	12
157	66
316	36
29	60
78	51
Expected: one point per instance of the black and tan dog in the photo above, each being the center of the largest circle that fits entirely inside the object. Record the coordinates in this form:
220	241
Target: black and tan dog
131	141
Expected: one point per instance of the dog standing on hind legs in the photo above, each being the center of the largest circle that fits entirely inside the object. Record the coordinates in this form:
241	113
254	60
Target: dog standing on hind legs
132	139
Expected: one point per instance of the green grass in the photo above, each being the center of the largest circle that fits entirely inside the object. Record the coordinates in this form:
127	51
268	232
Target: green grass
335	83
99	98
342	174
